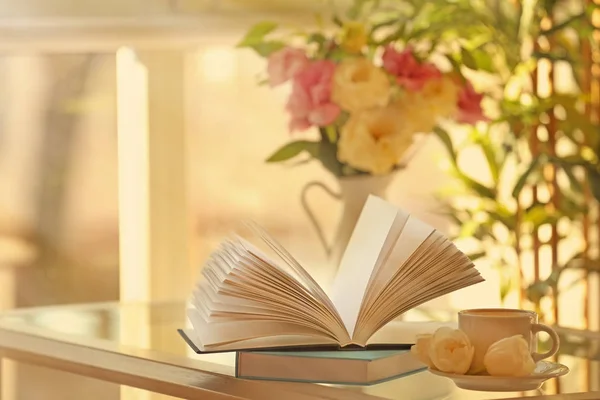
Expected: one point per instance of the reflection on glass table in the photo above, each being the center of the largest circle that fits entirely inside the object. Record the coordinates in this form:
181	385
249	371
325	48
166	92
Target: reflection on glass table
149	331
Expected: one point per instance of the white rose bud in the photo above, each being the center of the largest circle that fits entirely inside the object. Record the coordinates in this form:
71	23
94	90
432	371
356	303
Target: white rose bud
509	357
421	349
450	351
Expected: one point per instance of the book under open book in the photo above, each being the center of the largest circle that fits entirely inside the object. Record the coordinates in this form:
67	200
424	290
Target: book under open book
337	367
247	299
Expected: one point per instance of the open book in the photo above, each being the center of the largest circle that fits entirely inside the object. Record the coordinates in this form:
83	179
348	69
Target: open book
393	262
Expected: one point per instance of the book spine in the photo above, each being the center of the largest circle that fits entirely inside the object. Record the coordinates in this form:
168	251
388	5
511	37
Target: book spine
238	364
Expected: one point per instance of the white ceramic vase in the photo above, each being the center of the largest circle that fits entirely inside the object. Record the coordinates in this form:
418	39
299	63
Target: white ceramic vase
352	194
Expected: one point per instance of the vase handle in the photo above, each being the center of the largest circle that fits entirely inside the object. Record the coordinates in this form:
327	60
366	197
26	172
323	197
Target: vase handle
311	215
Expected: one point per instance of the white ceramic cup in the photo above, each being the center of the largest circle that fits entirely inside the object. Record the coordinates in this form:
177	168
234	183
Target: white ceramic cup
488	325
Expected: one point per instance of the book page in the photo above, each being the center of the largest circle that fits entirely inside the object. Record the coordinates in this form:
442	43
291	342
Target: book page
383	261
236	334
413	234
360	258
279	342
435	267
299	273
244	296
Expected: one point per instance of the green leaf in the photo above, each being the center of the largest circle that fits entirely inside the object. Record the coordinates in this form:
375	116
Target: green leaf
594	181
477	230
539	215
476	256
570	161
444	136
588	265
328	157
255	39
317	38
265	49
331	133
456	66
468	229
455	218
506	283
537	291
392	37
576	185
384	24
572	207
257	33
553	56
356	9
524	177
490	156
580	261
563	24
504	216
293	149
483	60
467	59
477	187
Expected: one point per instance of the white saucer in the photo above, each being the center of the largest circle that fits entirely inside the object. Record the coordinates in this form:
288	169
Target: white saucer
544	370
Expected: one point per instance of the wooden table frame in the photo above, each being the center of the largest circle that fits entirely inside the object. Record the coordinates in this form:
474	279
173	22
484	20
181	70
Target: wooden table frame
159	373
169	375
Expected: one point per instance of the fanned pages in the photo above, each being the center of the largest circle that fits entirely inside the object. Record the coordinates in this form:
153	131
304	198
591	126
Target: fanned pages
246	299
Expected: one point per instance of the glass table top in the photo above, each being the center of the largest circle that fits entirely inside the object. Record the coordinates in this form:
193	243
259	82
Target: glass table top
153	328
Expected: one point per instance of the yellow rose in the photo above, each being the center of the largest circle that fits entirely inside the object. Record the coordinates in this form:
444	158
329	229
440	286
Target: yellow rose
413	111
421	110
442	96
373	140
450	350
359	85
354	37
421	349
509	357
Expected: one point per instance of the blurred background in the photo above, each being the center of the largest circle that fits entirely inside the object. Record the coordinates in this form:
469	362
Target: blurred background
59	164
133	136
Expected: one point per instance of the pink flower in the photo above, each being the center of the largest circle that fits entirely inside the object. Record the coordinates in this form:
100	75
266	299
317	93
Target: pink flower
284	64
310	102
469	105
408	71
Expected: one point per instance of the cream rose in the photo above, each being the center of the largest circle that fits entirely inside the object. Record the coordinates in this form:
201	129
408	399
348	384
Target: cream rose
373	140
509	357
450	350
359	85
421	349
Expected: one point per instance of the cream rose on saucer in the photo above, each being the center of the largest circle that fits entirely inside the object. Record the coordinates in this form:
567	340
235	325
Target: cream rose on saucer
509	357
360	85
450	351
421	349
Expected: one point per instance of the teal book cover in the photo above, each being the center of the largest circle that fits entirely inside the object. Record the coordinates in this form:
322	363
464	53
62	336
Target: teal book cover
361	367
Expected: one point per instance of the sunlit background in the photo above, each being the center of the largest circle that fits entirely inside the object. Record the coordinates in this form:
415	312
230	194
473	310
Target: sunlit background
129	147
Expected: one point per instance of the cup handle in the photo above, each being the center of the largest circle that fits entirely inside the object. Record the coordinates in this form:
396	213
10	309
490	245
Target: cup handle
536	328
311	215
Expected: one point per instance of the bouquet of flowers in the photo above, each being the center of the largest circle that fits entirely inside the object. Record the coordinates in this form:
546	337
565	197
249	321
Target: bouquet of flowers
369	98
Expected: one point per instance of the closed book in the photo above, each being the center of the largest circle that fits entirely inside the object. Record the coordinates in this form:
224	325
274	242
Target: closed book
362	367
